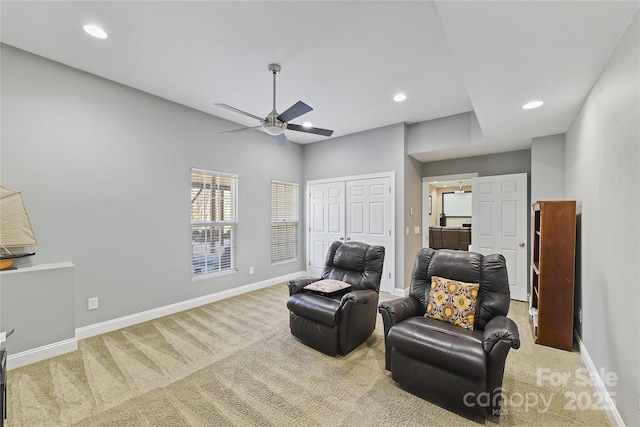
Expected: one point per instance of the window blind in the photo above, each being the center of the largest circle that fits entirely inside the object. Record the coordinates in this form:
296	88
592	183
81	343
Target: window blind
214	219
284	221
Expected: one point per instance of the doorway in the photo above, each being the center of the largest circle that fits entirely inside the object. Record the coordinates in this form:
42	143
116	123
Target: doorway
432	188
498	224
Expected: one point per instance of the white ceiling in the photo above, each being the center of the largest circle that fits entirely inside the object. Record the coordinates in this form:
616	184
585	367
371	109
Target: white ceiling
345	59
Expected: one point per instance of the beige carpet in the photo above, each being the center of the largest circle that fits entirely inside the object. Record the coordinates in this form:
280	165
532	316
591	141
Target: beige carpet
234	362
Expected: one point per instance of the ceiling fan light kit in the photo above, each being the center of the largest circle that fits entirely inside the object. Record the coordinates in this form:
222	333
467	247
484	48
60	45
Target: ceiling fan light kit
273	130
275	124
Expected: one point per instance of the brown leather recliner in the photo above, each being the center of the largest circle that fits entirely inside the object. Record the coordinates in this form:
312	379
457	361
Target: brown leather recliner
458	368
338	324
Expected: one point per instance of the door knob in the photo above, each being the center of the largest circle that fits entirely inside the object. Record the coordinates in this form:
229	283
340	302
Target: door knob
348	238
522	244
342	238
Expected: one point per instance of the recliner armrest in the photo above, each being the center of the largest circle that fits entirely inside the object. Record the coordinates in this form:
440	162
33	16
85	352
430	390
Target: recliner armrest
397	310
400	309
296	285
500	328
363	296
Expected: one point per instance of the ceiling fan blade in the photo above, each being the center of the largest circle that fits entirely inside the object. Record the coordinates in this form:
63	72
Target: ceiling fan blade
282	139
228	107
317	131
241	129
296	110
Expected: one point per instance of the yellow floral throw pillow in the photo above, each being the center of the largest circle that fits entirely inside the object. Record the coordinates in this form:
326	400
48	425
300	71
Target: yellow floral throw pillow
452	301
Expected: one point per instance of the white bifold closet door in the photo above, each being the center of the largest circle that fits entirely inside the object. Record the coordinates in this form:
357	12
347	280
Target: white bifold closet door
350	210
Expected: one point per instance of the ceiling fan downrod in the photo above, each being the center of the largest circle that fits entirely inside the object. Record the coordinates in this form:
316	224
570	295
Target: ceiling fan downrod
275	69
271	124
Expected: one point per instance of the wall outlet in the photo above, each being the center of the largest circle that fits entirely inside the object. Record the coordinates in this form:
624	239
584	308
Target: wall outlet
250	270
579	315
92	303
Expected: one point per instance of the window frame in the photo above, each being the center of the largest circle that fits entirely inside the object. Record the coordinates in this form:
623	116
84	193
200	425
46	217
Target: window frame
283	249
225	229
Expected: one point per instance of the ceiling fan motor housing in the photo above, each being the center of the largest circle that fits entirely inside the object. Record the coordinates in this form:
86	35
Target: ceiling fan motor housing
272	125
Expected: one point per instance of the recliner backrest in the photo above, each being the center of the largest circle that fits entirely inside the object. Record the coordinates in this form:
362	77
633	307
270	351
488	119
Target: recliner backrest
489	271
356	263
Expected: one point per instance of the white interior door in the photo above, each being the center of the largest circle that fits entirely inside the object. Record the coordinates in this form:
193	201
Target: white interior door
326	222
369	218
499	217
357	209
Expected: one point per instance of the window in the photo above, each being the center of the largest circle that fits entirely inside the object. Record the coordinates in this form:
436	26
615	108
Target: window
284	221
214	220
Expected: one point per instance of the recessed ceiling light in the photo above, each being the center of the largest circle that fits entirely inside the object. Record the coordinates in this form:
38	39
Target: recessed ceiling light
307	125
95	31
531	105
400	97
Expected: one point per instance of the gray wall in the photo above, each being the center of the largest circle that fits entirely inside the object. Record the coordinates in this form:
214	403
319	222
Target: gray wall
547	168
413	203
443	133
105	171
602	158
373	151
487	165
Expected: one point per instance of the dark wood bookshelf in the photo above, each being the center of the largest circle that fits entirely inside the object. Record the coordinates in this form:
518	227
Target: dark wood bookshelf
553	272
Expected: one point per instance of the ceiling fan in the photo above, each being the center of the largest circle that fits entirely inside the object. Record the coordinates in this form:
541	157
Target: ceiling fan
274	123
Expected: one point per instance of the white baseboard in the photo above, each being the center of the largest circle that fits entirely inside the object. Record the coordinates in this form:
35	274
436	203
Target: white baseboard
41	353
154	313
45	352
608	404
